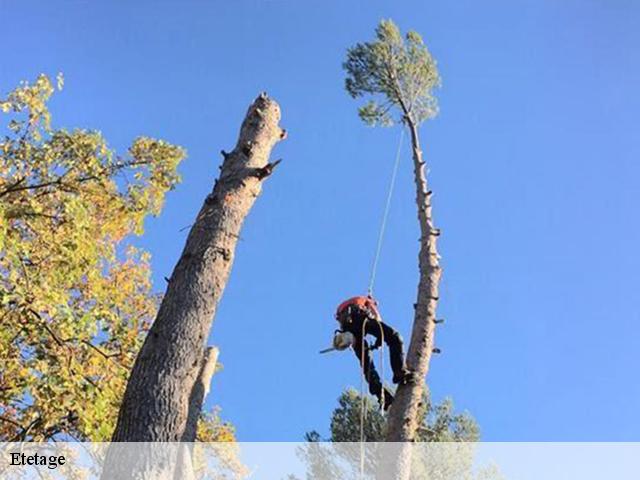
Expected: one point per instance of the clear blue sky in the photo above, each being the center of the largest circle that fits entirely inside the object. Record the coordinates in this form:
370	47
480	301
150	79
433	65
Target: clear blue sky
534	164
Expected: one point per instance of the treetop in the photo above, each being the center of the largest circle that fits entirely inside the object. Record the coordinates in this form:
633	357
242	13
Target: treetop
397	72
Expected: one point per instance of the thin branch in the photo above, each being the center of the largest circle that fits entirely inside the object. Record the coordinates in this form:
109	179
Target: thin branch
108	356
25	431
12	422
267	170
15	184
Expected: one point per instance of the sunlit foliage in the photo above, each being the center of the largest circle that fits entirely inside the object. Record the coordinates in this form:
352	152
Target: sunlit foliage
438	423
447	451
75	299
398	73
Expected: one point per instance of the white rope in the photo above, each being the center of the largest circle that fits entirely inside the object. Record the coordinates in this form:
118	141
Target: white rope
372	279
385	215
362	398
363	395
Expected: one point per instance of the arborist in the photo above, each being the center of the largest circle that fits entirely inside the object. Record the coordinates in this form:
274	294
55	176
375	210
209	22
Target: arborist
359	316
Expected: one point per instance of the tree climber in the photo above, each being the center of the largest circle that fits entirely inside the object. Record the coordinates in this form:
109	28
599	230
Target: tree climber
352	314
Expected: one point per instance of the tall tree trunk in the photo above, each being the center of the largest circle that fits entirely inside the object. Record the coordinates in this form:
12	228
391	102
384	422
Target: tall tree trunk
402	421
156	403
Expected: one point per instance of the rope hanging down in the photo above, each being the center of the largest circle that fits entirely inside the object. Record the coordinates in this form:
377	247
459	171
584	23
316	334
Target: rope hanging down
372	279
363	397
385	216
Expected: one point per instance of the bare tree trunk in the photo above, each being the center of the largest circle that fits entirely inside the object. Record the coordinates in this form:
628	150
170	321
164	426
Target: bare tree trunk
402	421
200	391
161	386
184	468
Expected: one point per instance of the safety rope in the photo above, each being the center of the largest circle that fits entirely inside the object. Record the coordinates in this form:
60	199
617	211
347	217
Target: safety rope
363	412
385	215
363	397
372	279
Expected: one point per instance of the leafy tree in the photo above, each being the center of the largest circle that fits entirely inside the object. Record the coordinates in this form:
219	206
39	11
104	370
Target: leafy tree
437	423
75	298
221	446
399	75
446	452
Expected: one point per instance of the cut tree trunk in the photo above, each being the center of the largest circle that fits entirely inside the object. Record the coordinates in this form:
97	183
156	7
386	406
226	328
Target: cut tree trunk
402	421
161	386
200	391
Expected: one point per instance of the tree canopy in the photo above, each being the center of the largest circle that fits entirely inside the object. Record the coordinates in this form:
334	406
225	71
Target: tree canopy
438	423
75	296
447	453
398	73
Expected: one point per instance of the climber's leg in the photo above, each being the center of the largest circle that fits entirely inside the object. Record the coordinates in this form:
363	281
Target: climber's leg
396	354
370	374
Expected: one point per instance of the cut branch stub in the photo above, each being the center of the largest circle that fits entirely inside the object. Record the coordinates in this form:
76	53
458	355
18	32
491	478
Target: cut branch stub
156	403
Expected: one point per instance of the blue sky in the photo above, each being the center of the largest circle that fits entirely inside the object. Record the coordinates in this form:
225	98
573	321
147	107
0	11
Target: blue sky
533	161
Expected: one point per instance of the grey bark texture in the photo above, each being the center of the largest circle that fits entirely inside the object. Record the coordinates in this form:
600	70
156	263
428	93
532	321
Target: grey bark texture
403	413
164	380
200	390
402	421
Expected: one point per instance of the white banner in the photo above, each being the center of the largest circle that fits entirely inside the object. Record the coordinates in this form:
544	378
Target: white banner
321	461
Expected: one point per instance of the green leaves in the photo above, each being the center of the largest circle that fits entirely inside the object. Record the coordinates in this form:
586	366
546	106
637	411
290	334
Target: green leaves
438	423
75	298
399	73
75	302
373	114
154	164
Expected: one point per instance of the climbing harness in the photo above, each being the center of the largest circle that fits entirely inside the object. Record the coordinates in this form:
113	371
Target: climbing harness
340	342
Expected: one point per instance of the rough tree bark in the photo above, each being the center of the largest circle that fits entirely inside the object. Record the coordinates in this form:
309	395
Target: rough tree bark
163	382
403	413
200	391
402	421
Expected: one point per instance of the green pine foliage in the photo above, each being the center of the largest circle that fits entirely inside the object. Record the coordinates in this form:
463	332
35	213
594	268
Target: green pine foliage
397	73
